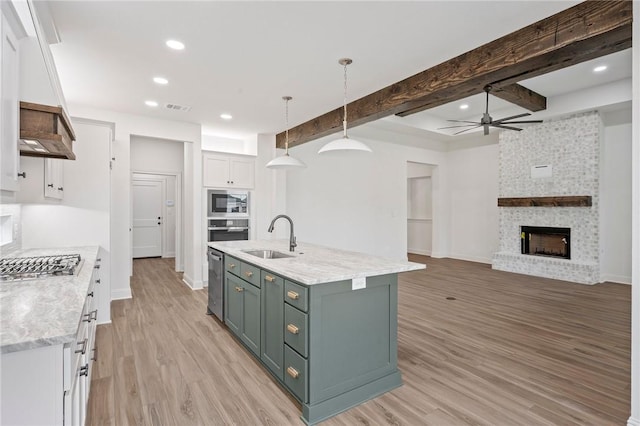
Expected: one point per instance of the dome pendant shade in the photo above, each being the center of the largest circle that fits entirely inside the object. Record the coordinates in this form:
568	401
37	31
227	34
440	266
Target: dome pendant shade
286	161
344	143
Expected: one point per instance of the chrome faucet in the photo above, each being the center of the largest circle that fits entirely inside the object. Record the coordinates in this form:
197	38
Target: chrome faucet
292	238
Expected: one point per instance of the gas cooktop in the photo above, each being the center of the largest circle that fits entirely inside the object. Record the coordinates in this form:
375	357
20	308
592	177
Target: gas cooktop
27	268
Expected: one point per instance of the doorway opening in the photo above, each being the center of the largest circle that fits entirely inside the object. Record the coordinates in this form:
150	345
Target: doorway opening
156	199
419	208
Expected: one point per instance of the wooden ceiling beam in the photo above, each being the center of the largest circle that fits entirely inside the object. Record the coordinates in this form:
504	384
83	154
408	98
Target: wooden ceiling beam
586	31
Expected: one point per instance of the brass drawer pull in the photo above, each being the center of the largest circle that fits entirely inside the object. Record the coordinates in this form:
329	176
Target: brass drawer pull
292	329
232	265
293	295
249	274
239	289
292	372
269	278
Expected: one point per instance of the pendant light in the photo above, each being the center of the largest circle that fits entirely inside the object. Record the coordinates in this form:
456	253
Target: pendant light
285	161
345	143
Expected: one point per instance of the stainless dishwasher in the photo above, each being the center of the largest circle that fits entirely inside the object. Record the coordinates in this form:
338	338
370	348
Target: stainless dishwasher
215	305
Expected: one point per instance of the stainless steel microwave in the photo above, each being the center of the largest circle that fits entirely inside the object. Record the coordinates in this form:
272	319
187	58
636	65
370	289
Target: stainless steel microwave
229	203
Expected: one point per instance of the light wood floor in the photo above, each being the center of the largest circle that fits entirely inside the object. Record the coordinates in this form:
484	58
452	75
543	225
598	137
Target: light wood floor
509	350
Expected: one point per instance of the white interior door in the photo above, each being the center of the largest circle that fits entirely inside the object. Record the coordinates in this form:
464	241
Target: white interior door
147	218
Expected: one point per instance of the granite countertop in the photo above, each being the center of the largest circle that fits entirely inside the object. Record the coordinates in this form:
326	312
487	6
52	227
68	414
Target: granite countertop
313	264
44	311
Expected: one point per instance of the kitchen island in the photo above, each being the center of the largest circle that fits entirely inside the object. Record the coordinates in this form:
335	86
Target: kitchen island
322	321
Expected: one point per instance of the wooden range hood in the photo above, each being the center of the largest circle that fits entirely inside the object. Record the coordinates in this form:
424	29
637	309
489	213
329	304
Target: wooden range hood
45	131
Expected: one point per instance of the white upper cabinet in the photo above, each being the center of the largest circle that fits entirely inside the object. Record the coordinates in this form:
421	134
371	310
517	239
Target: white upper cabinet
226	171
54	178
9	109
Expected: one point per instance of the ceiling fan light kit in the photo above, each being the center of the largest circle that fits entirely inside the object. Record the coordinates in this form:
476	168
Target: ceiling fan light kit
487	121
344	143
286	161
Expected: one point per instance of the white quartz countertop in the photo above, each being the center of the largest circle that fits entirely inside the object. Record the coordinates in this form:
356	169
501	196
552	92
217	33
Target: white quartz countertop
44	311
313	264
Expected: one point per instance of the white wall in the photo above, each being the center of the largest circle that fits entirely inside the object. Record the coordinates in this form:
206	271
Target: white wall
472	175
615	201
247	146
127	125
634	419
358	201
82	217
156	155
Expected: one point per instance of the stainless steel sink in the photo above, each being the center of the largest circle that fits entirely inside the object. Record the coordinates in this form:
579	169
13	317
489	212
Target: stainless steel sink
267	254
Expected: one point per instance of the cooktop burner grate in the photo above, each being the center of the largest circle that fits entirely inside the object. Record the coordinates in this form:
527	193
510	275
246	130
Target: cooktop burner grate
24	268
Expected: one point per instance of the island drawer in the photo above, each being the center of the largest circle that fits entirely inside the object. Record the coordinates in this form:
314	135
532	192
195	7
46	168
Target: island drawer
295	373
231	264
296	324
250	273
296	295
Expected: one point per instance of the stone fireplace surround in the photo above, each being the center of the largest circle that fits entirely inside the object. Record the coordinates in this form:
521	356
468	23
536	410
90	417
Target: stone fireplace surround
572	147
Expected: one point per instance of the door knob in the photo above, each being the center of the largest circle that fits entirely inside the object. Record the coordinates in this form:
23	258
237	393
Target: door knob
159	223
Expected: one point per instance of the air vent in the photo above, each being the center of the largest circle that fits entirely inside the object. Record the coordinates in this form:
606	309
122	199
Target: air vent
177	107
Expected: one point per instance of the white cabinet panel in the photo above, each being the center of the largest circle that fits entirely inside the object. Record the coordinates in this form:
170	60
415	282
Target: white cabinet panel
221	171
10	160
54	178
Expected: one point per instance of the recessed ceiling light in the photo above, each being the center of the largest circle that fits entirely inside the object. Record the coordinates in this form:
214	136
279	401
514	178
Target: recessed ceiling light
175	44
226	116
151	103
600	68
464	106
160	80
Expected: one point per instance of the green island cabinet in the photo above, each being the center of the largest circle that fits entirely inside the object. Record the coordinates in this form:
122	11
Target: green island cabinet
331	346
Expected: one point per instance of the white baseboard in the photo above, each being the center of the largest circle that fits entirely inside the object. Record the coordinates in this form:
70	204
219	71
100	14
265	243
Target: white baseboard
619	279
125	293
169	254
477	259
104	322
191	283
418	251
633	422
438	255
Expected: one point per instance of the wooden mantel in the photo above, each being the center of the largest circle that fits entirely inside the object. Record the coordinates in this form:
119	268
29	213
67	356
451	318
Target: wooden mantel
560	201
583	32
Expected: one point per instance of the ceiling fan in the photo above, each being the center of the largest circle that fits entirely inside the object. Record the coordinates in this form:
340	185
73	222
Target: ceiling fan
487	121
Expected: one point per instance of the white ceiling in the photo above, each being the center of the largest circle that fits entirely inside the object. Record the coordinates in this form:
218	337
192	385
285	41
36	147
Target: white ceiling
242	57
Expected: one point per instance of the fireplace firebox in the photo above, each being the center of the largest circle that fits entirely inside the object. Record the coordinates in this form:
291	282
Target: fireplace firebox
546	241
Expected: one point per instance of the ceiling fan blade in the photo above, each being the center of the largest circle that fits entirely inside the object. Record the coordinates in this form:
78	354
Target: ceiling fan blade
512	117
462	125
505	127
520	122
464	121
466	130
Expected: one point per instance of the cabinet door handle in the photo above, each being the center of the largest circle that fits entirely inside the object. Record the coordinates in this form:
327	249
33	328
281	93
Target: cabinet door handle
98	280
50	185
292	329
91	316
96	267
84	370
293	372
60	188
293	295
95	353
90	294
249	274
239	289
232	265
269	278
84	347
